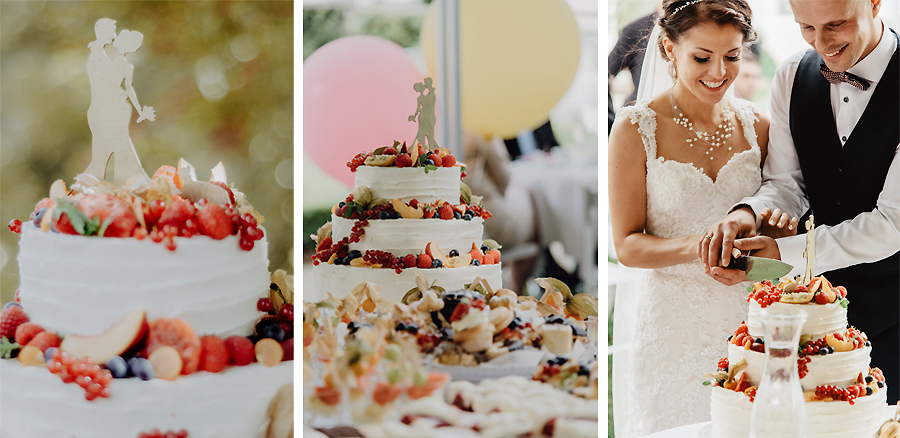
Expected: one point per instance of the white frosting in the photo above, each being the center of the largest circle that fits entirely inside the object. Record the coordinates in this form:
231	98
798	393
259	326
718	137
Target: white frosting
409	236
731	411
839	368
407	183
230	404
84	285
341	279
821	319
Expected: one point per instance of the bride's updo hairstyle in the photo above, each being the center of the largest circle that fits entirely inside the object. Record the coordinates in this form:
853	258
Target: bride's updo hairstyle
679	16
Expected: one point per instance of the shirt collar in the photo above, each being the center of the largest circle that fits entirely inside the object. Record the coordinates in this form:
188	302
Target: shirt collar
873	65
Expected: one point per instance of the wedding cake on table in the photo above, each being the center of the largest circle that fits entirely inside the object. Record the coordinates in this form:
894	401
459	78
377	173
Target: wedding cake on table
845	396
145	307
409	214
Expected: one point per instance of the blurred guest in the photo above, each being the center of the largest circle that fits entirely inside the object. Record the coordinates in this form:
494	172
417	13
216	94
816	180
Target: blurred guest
628	53
747	81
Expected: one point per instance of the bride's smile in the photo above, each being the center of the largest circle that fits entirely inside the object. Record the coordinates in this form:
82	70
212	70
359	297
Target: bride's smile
707	59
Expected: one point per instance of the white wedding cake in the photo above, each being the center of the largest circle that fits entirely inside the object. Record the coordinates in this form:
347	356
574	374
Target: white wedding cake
845	396
403	220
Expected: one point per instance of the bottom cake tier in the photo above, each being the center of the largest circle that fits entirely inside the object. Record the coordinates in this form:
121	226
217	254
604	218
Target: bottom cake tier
731	411
339	280
234	403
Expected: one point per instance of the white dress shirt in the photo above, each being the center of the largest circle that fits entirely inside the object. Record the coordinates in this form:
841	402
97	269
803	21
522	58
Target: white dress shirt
868	237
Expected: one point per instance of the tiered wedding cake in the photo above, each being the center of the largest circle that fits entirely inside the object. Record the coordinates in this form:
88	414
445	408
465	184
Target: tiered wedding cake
845	397
409	214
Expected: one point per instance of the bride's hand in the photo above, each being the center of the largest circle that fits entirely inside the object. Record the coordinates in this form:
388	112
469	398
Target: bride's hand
777	224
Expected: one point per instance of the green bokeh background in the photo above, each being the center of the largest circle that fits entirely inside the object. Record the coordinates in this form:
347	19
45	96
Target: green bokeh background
219	74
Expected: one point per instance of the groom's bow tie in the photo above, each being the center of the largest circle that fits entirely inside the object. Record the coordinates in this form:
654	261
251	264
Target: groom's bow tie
838	77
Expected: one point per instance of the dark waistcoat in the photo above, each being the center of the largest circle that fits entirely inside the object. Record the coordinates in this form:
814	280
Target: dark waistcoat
844	181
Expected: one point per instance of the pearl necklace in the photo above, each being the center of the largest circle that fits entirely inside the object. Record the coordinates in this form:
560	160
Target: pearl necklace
722	134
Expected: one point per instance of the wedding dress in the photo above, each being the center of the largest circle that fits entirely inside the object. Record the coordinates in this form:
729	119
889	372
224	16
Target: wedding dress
680	317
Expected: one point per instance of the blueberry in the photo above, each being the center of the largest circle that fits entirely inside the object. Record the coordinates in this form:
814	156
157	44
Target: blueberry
412	328
401	327
352	327
341	204
436	263
759	341
470	212
516	322
254	338
446	333
11	304
347	260
338	261
273	331
355	254
475	262
880	384
395	215
117	366
141	368
823	351
429	161
869	390
830	349
453	253
485	249
468	216
384	215
868	344
869	379
456	214
49	353
38	216
558	360
583	371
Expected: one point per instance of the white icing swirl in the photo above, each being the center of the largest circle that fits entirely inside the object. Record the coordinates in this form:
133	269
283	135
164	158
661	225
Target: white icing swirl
839	368
821	319
407	183
409	236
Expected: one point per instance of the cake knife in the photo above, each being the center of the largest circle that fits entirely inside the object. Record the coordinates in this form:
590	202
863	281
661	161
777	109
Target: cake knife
759	268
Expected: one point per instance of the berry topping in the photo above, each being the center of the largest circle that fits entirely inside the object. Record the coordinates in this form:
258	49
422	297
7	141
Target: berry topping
446	212
167	362
403	160
286	312
15	226
26	332
214	355
424	261
409	261
264	305
141	368
268	352
45	340
176	333
10	319
287	346
117	367
240	349
214	221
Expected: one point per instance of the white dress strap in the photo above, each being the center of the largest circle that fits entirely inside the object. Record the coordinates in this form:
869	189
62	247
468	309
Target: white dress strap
747	114
645	118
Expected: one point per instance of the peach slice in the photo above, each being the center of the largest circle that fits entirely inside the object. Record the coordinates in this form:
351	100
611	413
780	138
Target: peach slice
406	211
125	337
838	345
268	352
31	356
436	254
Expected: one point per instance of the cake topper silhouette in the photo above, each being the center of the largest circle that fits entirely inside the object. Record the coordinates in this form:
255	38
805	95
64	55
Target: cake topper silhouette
810	252
425	113
112	153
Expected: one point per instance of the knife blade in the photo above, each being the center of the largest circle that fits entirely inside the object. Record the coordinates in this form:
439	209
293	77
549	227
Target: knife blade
759	268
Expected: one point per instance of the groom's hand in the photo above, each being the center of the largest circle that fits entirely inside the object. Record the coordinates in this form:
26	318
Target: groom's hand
758	246
716	246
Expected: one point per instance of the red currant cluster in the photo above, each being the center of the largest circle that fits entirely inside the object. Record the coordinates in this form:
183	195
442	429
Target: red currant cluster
356	161
386	259
358	230
751	393
15	226
326	251
249	230
741	336
844	394
813	347
802	368
767	295
91	377
427	342
155	433
723	363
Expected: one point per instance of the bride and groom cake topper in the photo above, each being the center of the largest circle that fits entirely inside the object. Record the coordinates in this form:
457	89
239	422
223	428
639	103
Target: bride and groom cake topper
113	156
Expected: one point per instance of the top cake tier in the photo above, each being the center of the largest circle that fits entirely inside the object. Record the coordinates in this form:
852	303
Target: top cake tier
409	183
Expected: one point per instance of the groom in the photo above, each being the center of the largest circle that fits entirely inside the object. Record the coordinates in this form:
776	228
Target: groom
835	149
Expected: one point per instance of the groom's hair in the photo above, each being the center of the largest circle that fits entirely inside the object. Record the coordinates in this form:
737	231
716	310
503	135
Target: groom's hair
679	16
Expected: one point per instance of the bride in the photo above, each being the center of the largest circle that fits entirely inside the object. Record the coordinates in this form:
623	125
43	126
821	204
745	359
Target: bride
678	161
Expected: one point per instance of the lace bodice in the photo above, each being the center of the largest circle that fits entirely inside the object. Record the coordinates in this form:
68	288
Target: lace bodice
681	199
674	321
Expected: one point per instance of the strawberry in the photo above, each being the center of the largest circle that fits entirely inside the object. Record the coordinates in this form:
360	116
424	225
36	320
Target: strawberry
414	203
448	161
213	221
409	261
428	212
45	340
446	212
112	211
389	151
240	349
227	189
424	261
10	320
821	298
436	159
841	290
214	355
287	346
403	160
177	214
27	331
460	311
177	334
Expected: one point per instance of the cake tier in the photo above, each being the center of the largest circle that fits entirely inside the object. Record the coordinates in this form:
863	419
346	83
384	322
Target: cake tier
409	236
731	411
821	319
84	285
839	369
341	279
407	183
233	403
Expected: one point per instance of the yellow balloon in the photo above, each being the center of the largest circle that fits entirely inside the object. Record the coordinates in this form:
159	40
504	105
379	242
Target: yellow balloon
517	59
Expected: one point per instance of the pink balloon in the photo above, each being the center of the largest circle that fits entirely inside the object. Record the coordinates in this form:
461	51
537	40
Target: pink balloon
357	95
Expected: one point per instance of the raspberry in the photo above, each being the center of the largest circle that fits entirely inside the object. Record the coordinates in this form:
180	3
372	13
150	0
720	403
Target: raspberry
446	212
176	214
113	210
448	161
179	335
10	319
436	159
213	221
45	340
240	349
26	332
403	160
424	261
409	261
214	355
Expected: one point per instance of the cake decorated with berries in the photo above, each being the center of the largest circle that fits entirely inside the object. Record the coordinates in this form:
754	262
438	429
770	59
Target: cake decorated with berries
845	395
409	214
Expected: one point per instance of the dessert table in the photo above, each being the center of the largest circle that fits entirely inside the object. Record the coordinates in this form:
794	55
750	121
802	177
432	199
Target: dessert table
704	429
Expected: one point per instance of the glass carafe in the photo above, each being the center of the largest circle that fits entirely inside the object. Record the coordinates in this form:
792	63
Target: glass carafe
779	409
